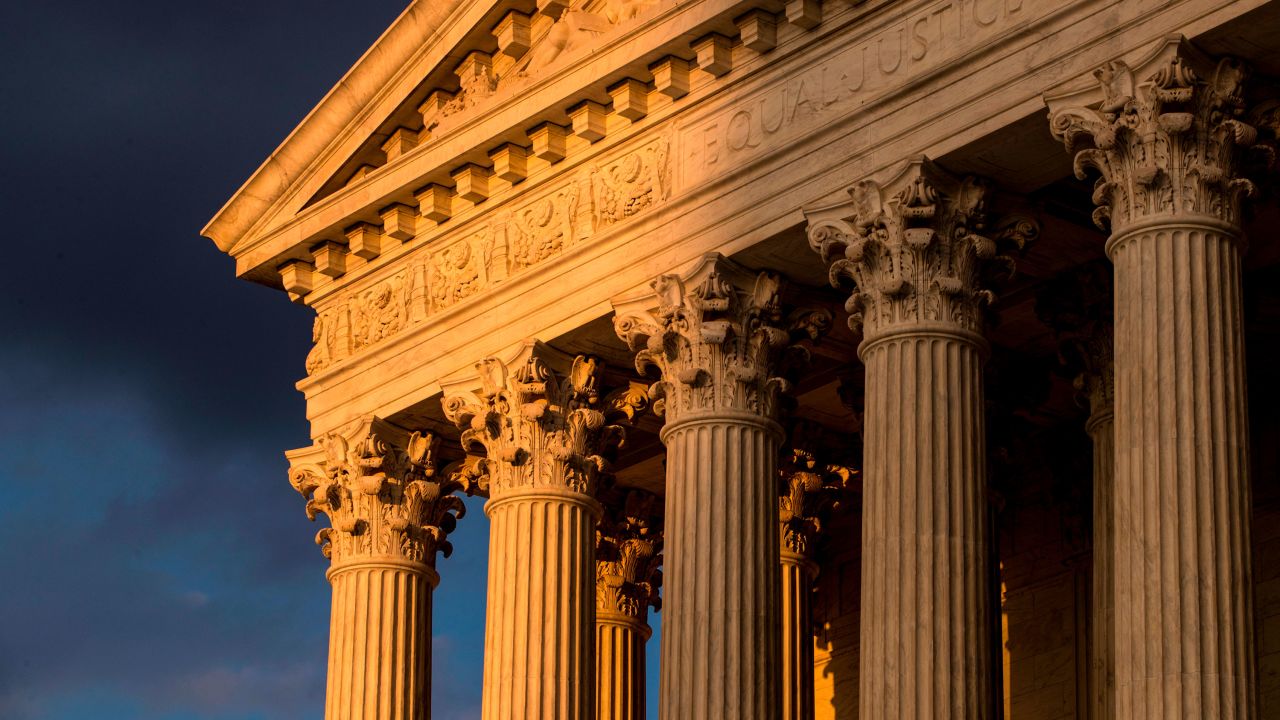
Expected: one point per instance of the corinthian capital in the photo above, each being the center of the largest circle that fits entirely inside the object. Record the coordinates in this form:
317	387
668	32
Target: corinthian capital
812	485
1077	306
629	554
719	337
377	484
918	249
1167	135
539	420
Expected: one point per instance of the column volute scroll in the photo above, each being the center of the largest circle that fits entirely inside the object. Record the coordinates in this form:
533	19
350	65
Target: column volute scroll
723	345
1174	137
628	578
542	430
379	487
390	513
922	252
813	484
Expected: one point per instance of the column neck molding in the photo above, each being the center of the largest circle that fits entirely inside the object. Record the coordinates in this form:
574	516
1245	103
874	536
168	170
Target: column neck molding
1169	137
919	251
385	562
539	420
720	338
939	330
378	485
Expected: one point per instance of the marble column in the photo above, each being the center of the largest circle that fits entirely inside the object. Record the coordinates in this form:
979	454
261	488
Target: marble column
810	489
915	247
1078	307
628	550
718	338
389	515
1169	139
536	419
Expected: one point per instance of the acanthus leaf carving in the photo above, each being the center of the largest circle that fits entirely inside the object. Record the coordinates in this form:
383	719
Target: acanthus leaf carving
1078	307
718	339
918	249
538	426
813	482
1167	138
629	554
379	488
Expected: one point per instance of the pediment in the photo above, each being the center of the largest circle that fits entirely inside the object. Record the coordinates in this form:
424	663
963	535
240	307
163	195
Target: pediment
430	75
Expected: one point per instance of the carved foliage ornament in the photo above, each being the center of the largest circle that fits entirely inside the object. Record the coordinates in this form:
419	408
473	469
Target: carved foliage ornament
1077	306
810	487
918	250
629	554
379	488
722	344
1168	137
533	232
538	428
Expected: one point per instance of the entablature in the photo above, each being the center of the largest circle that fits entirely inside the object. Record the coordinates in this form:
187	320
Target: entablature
722	168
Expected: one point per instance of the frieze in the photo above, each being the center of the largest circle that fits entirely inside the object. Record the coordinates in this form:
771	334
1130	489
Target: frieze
381	311
542	227
809	99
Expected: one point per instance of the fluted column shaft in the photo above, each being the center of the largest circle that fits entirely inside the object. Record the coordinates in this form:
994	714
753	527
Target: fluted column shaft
389	516
380	641
797	636
1184	621
538	419
920	249
1101	428
720	639
620	671
925	646
539	651
1171	139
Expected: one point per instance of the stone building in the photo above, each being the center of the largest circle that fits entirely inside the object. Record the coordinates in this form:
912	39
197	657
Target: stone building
898	346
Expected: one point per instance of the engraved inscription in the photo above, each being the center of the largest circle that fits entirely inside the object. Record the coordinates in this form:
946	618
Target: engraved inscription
772	117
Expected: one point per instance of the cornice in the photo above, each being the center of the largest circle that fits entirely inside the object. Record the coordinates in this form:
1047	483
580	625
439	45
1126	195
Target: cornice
413	40
735	210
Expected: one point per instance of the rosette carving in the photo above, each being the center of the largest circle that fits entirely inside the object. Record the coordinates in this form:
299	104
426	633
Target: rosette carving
629	555
379	488
1167	137
538	428
1078	307
918	250
719	338
811	487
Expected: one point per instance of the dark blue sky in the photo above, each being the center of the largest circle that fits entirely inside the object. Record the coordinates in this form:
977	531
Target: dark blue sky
154	562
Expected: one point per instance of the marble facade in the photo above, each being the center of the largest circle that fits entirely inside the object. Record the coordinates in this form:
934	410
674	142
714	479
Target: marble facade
891	353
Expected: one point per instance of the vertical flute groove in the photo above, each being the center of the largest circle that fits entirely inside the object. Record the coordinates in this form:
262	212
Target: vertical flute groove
720	637
540	639
1183	617
924	652
379	650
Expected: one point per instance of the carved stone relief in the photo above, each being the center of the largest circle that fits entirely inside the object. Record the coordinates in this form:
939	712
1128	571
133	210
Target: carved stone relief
381	311
552	222
630	184
459	271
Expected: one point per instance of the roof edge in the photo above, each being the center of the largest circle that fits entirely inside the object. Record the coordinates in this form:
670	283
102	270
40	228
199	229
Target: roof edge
417	26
